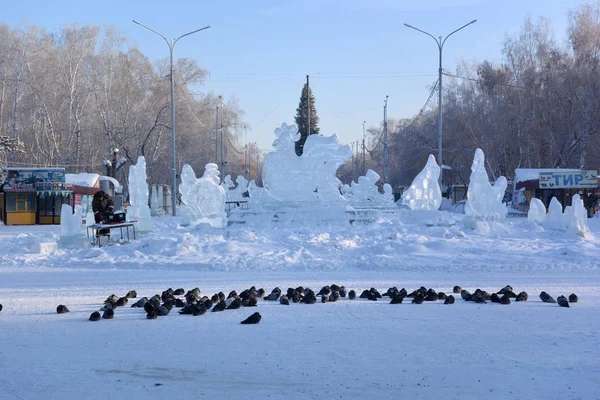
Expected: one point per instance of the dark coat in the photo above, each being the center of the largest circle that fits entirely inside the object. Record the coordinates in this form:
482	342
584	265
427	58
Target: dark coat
101	204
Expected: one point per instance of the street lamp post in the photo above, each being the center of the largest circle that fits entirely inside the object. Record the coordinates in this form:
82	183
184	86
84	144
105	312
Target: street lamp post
440	44
171	45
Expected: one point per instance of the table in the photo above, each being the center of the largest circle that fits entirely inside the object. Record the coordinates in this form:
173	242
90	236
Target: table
94	229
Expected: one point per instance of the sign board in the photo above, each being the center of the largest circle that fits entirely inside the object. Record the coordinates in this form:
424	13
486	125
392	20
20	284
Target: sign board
574	179
35	179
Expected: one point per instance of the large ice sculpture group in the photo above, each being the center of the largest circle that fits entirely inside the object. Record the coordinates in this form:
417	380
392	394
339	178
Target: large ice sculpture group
424	193
203	198
308	178
574	216
484	201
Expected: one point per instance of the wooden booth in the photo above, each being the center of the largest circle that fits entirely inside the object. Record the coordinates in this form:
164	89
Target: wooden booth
34	196
544	184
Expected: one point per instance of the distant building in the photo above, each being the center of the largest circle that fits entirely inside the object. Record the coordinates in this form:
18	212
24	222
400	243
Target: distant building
546	183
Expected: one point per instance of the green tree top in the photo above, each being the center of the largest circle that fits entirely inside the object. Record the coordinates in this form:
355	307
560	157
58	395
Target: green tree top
301	118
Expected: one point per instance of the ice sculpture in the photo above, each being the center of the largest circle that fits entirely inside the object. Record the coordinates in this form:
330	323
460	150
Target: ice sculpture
424	193
365	193
554	218
575	216
484	201
138	196
227	184
204	198
71	223
537	211
308	178
240	189
156	206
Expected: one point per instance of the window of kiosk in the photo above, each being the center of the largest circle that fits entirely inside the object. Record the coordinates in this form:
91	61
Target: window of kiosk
42	205
11	202
57	204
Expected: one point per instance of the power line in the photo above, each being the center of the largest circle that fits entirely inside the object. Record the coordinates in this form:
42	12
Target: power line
414	119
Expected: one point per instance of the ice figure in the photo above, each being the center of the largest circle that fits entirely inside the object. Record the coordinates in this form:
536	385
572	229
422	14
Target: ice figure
156	206
575	216
138	196
240	189
308	178
227	184
554	218
71	223
364	192
537	211
424	192
484	201
204	198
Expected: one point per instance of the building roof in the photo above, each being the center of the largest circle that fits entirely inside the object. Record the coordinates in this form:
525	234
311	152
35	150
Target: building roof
82	179
533	174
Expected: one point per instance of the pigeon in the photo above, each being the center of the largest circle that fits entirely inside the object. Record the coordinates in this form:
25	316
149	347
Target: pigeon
108	314
132	294
397	299
562	301
179	292
546	298
521	297
62	309
95	316
456	289
572	299
351	294
284	300
253	319
449	300
220	306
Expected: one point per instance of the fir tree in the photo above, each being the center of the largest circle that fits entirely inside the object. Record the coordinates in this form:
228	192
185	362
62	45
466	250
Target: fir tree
301	118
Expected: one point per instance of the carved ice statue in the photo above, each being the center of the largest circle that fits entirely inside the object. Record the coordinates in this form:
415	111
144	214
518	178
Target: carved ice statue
138	196
575	216
365	193
71	224
537	211
424	193
232	191
227	185
309	178
204	198
554	218
484	201
156	205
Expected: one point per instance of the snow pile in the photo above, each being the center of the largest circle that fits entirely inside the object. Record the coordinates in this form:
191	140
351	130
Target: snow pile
484	201
364	193
138	196
203	198
424	192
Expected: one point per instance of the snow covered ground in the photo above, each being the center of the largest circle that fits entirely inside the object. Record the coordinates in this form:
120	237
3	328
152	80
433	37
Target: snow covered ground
346	349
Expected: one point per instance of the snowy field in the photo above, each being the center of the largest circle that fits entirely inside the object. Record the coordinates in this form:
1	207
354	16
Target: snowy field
348	349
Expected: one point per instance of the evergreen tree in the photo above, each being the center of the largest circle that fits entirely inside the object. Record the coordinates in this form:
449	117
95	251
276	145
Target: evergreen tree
301	118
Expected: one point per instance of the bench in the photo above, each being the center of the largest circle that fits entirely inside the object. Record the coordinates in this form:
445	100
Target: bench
93	230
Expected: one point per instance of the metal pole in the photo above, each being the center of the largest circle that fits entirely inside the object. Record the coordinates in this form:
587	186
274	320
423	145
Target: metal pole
385	143
363	149
307	108
440	44
217	137
440	118
171	45
174	165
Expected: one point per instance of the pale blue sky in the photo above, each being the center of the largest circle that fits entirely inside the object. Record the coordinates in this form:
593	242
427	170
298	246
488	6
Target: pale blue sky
356	51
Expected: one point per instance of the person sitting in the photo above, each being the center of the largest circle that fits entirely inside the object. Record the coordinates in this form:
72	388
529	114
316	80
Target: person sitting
102	205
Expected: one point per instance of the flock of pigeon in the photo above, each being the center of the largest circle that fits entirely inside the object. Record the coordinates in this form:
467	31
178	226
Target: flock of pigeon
195	304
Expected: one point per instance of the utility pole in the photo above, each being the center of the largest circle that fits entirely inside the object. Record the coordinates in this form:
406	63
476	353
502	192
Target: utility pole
171	43
308	107
385	142
440	44
363	149
217	138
